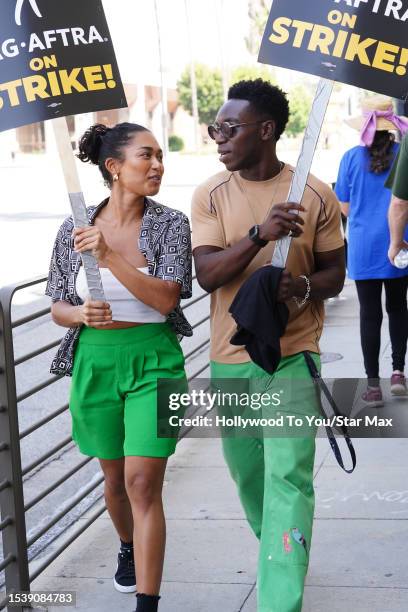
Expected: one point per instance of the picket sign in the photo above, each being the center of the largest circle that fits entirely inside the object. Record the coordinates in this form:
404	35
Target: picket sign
57	59
360	43
304	163
78	205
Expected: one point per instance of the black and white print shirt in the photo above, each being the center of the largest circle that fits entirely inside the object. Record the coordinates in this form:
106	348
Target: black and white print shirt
165	241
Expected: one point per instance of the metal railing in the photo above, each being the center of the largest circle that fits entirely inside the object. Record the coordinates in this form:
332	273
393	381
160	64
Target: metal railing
16	543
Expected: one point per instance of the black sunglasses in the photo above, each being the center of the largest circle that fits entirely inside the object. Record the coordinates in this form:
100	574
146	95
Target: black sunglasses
227	129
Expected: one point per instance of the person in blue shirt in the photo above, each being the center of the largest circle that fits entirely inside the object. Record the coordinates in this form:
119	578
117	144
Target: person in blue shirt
365	201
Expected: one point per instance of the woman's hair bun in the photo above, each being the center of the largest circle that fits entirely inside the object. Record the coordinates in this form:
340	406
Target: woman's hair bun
91	142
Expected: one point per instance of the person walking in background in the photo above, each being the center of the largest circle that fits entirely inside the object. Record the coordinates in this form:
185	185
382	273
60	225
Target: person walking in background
116	351
365	201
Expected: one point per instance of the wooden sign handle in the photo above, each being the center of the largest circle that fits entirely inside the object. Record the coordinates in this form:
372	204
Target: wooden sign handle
78	206
304	163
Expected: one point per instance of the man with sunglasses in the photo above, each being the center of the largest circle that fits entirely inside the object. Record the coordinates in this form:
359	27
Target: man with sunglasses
237	215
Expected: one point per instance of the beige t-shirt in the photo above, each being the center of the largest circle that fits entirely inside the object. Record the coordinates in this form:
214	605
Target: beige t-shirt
224	208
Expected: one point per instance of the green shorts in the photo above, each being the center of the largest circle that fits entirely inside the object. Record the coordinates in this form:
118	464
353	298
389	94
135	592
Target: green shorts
113	400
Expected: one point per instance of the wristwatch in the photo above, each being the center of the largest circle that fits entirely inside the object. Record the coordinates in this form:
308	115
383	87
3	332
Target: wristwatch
253	235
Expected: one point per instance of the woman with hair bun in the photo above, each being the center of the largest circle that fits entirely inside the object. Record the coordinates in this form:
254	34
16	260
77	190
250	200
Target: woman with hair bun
116	351
365	200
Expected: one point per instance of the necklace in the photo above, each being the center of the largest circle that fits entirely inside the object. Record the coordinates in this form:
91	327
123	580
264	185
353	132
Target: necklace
244	192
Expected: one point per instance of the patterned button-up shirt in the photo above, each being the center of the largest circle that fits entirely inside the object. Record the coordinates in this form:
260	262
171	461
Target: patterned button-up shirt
165	241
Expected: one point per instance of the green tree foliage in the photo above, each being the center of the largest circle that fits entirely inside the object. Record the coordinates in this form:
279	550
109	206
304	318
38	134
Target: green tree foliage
300	103
209	87
209	92
258	12
176	143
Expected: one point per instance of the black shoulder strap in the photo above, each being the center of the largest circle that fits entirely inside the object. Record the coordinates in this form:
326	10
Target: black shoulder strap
314	372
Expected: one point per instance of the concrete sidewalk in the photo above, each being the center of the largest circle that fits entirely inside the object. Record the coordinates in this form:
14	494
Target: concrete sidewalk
358	559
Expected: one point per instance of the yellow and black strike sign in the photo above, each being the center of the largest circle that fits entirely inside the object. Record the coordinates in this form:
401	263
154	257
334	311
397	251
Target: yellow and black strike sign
359	42
56	59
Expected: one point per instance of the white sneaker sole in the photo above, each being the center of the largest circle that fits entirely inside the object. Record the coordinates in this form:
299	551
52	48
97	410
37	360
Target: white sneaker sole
124	589
398	390
376	404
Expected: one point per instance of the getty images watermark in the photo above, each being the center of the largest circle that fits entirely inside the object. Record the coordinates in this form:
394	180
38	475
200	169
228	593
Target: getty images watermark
256	401
221	400
249	408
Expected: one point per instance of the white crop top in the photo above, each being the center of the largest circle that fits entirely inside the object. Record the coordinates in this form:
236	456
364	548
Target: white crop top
124	305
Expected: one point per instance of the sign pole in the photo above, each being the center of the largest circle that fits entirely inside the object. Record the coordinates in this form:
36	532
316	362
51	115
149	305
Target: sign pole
78	206
163	83
299	179
193	80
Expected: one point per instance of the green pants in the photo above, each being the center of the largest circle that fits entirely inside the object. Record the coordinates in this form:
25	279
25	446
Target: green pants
274	477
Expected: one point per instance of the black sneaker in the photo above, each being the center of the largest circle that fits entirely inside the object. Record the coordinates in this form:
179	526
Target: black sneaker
125	577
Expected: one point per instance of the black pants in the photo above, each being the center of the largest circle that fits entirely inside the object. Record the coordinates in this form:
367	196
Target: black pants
371	316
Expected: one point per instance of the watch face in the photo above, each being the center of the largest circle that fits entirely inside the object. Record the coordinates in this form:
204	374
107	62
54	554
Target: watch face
254	236
253	232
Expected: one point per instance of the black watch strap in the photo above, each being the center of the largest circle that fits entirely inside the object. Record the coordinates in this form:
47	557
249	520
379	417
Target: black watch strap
253	235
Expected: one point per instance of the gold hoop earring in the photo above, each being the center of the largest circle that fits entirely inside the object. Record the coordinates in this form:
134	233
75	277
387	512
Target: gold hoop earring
115	177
